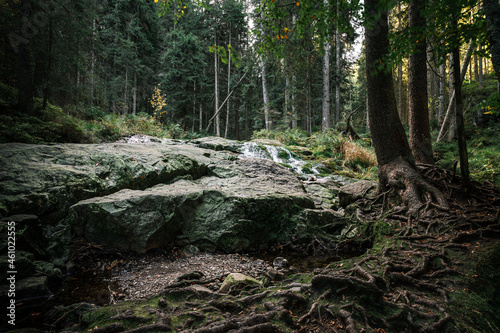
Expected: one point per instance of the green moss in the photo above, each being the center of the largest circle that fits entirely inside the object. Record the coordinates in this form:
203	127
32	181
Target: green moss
473	313
476	304
102	316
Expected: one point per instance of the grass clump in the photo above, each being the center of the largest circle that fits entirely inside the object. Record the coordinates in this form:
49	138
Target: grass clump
288	137
483	149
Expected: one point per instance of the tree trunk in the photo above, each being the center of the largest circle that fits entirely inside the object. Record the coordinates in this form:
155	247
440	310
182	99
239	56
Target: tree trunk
459	116
24	68
420	134
295	116
337	76
396	165
492	11
309	96
194	108
442	92
325	121
237	117
201	116
451	106
246	118
448	117
265	94
400	71
217	117
287	101
479	66
226	132
125	97
134	95
46	85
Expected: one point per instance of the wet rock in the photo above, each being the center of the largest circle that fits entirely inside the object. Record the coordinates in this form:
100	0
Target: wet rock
280	262
235	279
217	143
268	142
352	192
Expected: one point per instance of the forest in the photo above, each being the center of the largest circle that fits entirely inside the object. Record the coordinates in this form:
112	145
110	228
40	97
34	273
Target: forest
83	71
129	131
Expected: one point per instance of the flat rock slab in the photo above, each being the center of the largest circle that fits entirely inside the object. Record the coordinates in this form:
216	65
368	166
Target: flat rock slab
42	179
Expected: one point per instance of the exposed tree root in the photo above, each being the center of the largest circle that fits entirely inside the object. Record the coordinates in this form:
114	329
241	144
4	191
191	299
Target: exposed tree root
415	191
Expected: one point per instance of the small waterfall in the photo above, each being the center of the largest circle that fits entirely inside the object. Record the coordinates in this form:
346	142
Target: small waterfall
277	154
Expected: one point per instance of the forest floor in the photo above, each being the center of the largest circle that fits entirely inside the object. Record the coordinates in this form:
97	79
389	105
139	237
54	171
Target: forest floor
437	272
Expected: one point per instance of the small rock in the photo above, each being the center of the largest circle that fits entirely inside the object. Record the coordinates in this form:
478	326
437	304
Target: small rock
162	303
280	262
352	192
274	275
190	251
195	275
201	289
234	279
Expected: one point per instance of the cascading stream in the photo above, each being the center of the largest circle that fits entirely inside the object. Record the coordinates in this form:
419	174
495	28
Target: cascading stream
277	154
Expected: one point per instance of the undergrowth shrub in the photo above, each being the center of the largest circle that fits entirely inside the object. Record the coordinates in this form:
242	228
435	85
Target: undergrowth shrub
289	137
355	155
50	125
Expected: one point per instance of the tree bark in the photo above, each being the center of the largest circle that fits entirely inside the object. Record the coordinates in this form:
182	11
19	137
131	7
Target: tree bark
287	100
226	132
459	116
265	95
217	116
479	66
134	95
442	92
338	73
325	122
400	71
420	134
295	116
396	165
24	68
448	117
492	12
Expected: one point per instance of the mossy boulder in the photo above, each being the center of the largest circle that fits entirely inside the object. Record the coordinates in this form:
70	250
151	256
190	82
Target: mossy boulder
235	279
258	204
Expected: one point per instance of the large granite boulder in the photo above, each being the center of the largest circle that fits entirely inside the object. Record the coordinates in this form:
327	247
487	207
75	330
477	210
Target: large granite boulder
244	204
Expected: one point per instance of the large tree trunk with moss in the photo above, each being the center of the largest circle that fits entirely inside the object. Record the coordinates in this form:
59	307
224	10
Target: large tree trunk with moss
396	164
420	134
492	11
